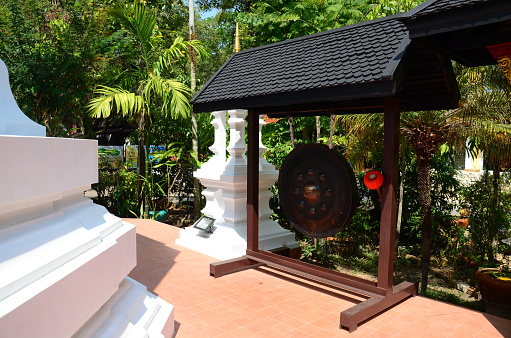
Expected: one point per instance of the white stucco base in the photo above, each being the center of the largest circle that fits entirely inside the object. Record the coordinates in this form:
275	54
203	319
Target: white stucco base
228	242
131	312
64	259
58	270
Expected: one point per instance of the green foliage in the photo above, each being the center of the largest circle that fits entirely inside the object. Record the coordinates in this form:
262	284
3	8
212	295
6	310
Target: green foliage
175	165
363	139
364	262
445	189
385	8
486	220
454	298
170	95
363	229
276	136
117	191
51	50
280	20
147	91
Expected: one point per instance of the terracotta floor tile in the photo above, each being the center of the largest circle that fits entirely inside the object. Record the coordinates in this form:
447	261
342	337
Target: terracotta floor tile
491	331
268	303
282	328
186	330
257	326
464	332
378	334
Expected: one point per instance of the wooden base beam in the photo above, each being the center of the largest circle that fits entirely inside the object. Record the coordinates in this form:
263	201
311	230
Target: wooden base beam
338	279
222	268
353	316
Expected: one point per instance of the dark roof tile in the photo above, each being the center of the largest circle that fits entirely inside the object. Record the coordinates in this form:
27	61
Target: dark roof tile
347	55
438	6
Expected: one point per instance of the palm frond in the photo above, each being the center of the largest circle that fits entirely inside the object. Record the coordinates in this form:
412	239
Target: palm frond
174	95
180	49
117	99
363	137
138	19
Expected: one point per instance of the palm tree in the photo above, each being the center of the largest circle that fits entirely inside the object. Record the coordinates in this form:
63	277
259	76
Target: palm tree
486	110
426	132
145	81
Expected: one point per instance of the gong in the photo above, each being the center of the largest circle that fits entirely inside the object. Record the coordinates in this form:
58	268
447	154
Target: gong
317	190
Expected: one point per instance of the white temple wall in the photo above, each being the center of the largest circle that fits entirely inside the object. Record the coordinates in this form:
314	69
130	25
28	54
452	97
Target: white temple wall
62	257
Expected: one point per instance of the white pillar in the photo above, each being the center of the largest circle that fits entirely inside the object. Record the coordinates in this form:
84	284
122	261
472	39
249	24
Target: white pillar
234	176
215	165
226	196
210	172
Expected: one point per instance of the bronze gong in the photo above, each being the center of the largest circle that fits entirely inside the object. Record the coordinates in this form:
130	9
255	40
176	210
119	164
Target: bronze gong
317	190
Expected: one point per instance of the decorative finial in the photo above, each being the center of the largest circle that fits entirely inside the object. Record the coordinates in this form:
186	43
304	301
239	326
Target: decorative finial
237	45
502	53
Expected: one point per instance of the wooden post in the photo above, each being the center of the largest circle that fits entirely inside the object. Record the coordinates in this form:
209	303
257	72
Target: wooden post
253	181
389	202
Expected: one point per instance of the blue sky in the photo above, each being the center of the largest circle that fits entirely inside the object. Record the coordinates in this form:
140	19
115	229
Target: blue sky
209	14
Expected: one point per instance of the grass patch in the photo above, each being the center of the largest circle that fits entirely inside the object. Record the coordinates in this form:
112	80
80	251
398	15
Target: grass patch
454	298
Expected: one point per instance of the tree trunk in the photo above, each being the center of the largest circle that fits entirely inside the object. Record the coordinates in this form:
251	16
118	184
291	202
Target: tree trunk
146	170
401	195
426	220
495	205
141	160
318	129
496	185
305	134
193	87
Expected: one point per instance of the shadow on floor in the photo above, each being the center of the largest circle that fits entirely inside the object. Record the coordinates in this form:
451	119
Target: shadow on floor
500	324
314	285
154	261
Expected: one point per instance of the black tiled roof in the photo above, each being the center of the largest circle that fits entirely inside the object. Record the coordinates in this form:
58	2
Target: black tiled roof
356	54
438	6
461	29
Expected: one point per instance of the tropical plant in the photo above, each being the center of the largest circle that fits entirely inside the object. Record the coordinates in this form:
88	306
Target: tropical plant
145	90
486	109
426	132
486	219
385	8
281	20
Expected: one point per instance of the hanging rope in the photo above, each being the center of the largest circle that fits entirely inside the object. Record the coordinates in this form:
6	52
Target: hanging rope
332	122
290	121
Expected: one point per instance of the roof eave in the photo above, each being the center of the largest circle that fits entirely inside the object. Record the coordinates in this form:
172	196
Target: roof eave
320	96
460	18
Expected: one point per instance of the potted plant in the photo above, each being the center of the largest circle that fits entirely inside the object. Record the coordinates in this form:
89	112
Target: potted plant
490	216
495	287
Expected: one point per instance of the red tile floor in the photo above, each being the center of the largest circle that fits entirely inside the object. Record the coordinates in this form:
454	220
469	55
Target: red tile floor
264	302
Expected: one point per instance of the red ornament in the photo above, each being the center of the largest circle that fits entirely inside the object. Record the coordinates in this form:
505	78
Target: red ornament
373	179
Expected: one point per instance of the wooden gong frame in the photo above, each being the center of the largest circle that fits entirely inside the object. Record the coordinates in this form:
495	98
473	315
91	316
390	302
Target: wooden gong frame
382	294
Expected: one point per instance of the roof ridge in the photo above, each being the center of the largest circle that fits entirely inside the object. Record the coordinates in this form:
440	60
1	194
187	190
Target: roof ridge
409	14
330	31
